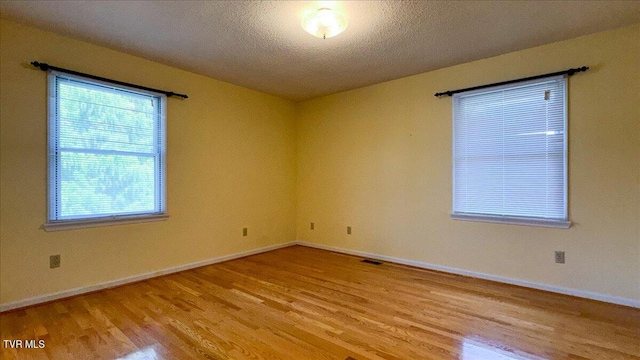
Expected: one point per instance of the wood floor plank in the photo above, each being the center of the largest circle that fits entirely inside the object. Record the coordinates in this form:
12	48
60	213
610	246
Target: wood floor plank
303	303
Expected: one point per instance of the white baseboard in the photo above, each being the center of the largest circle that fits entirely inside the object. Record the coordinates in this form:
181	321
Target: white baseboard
418	264
113	283
506	280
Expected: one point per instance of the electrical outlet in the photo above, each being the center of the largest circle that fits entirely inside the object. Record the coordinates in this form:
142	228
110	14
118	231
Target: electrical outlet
312	226
560	257
244	232
54	261
348	230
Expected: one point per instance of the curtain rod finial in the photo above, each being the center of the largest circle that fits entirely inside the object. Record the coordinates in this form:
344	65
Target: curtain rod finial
41	66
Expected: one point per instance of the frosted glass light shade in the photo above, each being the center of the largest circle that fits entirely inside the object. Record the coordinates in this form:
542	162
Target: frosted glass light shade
325	23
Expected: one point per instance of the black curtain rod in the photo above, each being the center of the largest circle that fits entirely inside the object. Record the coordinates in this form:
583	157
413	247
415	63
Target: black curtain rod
46	67
567	72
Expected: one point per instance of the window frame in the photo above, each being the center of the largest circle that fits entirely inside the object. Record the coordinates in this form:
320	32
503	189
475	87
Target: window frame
53	158
564	223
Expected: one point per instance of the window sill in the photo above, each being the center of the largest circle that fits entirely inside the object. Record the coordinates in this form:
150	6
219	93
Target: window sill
103	221
560	224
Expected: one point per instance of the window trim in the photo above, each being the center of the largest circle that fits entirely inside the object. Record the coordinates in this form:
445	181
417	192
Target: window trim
514	220
109	220
509	219
59	225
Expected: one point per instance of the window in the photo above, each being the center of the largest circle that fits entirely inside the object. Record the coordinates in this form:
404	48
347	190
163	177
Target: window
106	153
510	154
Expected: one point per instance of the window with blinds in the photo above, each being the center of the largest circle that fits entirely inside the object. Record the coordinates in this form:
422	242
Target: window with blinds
106	151
510	154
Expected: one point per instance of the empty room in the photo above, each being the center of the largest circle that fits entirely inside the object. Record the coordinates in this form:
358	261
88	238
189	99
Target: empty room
346	180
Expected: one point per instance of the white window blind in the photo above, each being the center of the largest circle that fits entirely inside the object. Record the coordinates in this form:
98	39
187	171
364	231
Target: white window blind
106	150
510	153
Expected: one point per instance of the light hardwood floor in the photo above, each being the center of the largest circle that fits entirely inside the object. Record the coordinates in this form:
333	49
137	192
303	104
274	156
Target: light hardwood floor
302	303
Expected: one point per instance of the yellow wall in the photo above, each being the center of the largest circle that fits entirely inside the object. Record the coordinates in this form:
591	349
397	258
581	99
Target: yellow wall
379	159
231	164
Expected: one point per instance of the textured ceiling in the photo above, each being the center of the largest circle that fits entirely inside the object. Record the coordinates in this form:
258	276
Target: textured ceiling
261	44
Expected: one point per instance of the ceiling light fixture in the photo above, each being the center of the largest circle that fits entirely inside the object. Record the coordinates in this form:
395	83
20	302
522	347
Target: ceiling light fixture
325	23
